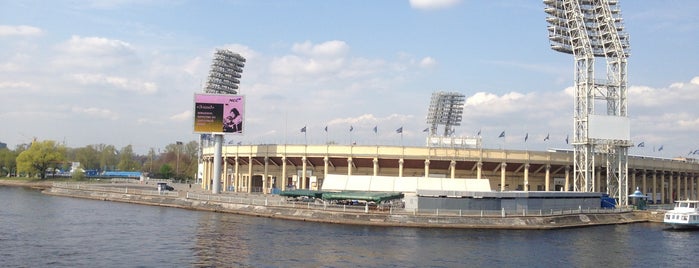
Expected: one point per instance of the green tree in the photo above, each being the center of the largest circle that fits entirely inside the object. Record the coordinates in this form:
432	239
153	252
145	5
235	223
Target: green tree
78	175
8	163
127	160
166	171
108	156
40	157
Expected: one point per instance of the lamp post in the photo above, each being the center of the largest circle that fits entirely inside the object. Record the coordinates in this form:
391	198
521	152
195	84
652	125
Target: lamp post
177	168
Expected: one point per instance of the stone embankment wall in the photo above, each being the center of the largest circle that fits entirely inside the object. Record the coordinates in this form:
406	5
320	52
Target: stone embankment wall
357	218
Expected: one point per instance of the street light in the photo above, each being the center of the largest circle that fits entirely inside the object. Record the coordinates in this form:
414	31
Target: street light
177	169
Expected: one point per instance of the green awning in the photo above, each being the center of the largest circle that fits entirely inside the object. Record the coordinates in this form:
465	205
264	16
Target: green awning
366	196
301	192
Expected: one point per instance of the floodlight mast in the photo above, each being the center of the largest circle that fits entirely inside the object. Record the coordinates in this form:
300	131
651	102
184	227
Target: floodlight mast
446	108
588	29
226	67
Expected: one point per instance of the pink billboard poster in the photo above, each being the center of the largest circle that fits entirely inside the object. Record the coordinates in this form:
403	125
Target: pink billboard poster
218	113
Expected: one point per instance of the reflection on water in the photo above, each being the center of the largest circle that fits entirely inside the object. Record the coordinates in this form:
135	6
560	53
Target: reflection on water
47	231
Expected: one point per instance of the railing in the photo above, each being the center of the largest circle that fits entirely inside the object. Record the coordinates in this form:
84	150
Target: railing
123	190
277	201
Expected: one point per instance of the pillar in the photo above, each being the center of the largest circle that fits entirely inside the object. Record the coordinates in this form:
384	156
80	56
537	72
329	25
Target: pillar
225	174
349	166
686	186
427	168
452	167
479	170
670	189
633	181
548	178
696	178
284	180
665	198
526	177
205	174
644	180
598	177
400	167
304	165
655	188
567	179
376	166
678	180
249	179
503	170
265	176
326	161
236	175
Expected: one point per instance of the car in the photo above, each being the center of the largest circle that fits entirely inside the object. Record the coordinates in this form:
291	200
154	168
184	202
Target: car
162	186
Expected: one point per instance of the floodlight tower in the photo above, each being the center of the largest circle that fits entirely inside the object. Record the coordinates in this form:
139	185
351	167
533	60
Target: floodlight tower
446	108
589	29
226	67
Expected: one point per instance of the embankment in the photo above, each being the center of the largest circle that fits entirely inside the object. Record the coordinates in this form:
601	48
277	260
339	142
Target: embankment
358	218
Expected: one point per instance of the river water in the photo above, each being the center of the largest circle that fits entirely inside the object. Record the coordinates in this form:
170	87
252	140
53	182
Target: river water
38	230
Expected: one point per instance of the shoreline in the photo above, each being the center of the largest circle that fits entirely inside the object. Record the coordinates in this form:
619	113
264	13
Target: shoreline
352	218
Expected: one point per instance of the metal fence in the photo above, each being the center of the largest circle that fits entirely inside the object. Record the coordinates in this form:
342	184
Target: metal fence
277	201
123	190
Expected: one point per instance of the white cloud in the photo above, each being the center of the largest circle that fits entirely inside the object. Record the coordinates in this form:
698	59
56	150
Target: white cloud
95	112
186	115
428	62
121	83
9	84
647	97
19	30
95	52
333	49
433	4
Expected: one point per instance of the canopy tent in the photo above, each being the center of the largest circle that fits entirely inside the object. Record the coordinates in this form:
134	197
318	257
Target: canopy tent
302	192
366	196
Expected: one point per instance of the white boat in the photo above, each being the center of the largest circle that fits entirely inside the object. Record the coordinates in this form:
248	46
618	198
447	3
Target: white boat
685	215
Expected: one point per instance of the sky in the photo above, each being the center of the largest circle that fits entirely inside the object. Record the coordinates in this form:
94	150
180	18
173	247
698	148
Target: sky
124	72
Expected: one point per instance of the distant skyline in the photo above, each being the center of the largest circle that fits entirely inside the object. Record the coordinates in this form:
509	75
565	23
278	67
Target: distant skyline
125	72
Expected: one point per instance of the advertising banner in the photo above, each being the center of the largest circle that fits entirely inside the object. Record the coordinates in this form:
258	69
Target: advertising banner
218	113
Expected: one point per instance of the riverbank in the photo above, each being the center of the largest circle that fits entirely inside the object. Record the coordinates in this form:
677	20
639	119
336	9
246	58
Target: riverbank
267	208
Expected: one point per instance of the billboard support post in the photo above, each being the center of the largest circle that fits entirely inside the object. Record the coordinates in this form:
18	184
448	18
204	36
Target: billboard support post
218	146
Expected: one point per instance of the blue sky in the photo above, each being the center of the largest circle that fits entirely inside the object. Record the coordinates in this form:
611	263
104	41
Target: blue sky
124	71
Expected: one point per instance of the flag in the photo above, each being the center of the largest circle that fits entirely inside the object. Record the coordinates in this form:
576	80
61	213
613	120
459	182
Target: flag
547	137
479	133
526	137
502	135
566	139
303	129
642	144
351	128
326	128
695	152
376	129
661	148
399	130
425	130
240	142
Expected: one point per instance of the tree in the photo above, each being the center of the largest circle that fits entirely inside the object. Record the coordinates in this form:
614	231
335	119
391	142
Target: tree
108	156
8	163
40	157
166	171
126	159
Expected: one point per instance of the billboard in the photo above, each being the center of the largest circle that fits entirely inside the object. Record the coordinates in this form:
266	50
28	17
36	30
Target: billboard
218	113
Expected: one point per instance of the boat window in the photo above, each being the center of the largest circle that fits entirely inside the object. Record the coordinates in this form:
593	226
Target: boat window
691	205
684	205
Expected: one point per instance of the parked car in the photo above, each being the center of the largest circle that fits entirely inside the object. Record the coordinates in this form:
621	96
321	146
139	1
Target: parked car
162	186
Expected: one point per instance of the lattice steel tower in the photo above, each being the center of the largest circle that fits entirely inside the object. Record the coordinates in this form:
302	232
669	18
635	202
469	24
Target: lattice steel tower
446	108
226	67
590	29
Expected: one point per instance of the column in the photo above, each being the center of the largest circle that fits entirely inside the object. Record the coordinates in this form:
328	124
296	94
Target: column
205	174
670	188
691	187
284	180
349	166
265	176
567	179
376	166
236	176
503	170
655	188
665	198
686	186
679	187
633	181
326	161
249	179
303	172
696	178
452	167
548	178
225	174
526	177
400	167
598	177
479	170
427	168
644	179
